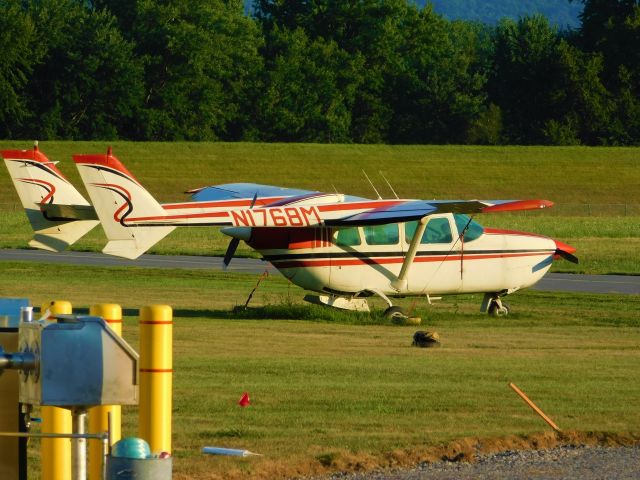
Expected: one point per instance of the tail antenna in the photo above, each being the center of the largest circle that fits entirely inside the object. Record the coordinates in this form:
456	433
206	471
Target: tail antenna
372	185
389	184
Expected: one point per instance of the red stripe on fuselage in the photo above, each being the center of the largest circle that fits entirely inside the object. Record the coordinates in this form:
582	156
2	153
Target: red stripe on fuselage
349	262
180	217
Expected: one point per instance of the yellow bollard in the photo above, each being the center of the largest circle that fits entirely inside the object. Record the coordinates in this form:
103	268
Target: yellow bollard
98	416
156	375
55	455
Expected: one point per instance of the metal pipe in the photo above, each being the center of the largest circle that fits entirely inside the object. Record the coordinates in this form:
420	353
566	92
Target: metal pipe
26	314
79	468
88	436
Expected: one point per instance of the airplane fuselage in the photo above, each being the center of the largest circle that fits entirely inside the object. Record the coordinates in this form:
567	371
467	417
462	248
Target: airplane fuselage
355	260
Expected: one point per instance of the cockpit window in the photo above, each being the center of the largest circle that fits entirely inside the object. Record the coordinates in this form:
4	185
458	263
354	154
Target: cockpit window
382	234
348	237
473	228
438	231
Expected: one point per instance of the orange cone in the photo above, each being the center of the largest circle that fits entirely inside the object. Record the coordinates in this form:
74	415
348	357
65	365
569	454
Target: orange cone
244	400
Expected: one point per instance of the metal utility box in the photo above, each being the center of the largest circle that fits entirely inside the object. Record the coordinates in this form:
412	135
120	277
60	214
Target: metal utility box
80	362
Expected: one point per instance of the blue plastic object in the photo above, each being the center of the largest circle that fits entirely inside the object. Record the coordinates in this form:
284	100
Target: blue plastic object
131	447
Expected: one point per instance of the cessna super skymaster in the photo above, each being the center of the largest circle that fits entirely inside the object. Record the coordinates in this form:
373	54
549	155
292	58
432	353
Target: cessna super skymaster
341	247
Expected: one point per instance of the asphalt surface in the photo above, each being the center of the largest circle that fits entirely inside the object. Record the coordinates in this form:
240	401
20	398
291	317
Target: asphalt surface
554	282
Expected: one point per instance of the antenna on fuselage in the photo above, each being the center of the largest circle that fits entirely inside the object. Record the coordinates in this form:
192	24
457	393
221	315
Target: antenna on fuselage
390	187
372	185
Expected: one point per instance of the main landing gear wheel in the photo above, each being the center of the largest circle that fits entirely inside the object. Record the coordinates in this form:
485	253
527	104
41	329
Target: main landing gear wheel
395	313
499	309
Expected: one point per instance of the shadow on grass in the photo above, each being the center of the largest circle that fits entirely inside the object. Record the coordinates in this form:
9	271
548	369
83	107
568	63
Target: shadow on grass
287	312
270	312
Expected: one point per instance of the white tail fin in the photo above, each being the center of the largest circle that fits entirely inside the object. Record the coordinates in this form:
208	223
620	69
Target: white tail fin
58	213
120	201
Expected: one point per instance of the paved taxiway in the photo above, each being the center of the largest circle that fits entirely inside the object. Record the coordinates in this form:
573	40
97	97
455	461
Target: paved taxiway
558	282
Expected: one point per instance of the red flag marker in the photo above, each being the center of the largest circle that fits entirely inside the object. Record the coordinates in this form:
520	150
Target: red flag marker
244	400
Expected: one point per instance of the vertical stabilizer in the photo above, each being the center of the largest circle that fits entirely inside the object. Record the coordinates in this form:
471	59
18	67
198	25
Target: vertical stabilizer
120	202
58	213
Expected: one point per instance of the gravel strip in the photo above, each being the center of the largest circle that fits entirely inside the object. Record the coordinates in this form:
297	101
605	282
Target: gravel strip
567	462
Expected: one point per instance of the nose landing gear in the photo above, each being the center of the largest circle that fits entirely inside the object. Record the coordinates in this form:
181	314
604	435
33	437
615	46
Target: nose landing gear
494	306
499	308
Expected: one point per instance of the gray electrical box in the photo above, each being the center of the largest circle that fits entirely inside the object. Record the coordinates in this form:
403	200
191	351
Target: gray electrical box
80	361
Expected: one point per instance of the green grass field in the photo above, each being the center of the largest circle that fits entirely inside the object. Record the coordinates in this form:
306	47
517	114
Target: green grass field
566	175
596	190
333	391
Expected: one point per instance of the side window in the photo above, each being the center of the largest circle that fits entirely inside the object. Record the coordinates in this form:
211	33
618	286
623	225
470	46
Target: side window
473	228
348	237
438	231
382	234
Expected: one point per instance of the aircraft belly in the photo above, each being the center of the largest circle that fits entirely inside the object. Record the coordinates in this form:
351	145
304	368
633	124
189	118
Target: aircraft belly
309	278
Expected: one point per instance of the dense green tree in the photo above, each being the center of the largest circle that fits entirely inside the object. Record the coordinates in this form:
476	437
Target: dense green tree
316	70
548	91
20	52
87	84
438	87
201	68
371	29
309	89
611	29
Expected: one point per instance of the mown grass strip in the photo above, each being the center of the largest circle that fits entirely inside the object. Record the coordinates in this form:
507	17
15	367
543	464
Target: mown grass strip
328	389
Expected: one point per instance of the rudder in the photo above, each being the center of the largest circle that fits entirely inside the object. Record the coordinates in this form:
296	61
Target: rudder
57	212
122	203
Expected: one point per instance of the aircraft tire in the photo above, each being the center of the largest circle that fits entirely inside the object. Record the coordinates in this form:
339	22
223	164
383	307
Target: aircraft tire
496	311
393	313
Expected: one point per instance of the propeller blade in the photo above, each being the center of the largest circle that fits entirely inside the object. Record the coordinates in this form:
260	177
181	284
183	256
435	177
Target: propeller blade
567	256
566	251
231	250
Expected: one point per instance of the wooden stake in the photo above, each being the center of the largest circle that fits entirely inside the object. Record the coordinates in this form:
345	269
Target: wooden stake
534	407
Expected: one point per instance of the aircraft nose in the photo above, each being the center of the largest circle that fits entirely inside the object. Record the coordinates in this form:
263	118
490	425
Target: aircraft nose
566	251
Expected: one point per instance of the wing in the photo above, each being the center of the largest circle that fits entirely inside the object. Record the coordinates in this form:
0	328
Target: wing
264	194
416	209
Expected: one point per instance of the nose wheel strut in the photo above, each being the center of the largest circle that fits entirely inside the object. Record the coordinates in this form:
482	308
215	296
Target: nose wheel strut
494	306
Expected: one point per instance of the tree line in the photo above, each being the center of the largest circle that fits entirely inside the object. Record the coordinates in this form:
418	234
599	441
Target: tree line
363	71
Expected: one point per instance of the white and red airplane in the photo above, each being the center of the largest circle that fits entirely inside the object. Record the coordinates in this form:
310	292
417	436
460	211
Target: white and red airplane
341	247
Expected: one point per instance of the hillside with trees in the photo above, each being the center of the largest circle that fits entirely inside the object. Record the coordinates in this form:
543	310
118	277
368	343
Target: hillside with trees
561	13
369	71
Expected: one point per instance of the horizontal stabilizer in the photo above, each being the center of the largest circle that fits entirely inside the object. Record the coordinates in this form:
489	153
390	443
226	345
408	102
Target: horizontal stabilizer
69	212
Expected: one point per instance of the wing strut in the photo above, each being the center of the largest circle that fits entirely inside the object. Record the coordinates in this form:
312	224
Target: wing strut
400	283
461	238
